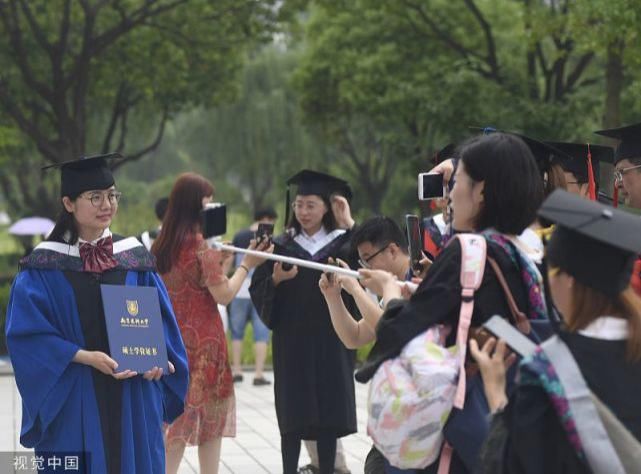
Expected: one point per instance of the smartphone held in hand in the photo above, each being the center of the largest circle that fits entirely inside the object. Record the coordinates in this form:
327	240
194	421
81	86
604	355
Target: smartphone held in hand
415	242
264	232
431	186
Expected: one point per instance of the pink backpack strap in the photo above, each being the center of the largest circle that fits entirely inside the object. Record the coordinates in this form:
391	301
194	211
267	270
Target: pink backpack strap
473	253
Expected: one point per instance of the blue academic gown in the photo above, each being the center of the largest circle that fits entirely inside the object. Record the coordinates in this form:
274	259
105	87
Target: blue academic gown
54	310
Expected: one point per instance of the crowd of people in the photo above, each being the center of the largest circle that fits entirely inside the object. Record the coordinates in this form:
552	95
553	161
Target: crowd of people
559	263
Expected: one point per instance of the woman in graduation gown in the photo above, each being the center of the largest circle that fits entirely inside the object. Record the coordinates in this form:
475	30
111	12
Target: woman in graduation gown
533	431
497	190
75	400
313	371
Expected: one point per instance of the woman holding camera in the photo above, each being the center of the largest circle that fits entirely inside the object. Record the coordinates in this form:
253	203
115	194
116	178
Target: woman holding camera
497	190
193	274
313	371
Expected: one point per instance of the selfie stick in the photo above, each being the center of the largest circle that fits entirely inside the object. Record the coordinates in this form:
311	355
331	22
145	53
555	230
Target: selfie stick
303	263
291	260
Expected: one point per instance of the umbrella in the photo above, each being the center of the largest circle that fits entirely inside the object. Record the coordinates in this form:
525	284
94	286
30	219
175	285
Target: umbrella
32	226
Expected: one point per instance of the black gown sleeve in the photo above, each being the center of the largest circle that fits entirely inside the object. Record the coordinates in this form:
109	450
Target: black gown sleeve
263	292
527	438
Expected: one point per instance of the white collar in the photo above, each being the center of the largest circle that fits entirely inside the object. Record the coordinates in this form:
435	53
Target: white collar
320	234
105	233
74	250
317	241
607	328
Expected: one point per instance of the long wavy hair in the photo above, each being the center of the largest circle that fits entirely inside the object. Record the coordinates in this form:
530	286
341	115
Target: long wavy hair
182	218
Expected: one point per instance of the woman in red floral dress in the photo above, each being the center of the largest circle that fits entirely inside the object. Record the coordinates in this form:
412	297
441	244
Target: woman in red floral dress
193	274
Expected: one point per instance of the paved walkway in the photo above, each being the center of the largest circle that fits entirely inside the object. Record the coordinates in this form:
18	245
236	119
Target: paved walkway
256	448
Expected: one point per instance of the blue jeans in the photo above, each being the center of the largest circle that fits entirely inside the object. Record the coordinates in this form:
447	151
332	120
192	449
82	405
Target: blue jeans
241	311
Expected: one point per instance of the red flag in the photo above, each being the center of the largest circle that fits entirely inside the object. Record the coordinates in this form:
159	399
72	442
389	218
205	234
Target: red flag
429	245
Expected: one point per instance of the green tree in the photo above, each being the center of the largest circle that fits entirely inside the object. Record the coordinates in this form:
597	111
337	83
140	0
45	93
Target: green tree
77	76
250	146
403	78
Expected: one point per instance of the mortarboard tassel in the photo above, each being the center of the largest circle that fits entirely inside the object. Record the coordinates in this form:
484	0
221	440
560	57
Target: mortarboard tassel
591	183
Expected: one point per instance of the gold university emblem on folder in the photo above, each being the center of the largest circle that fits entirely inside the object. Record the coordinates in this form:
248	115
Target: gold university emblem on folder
132	307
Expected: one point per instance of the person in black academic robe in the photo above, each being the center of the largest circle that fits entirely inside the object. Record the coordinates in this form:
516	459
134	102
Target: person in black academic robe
313	371
74	401
527	434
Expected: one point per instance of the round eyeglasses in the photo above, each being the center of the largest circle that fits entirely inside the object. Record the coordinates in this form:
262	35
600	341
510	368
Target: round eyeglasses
98	198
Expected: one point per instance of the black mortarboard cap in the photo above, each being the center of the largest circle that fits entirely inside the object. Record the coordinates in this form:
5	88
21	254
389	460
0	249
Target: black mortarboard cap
630	141
313	182
544	153
85	174
587	231
577	163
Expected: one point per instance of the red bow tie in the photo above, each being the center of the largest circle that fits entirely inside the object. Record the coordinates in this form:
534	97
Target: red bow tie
99	257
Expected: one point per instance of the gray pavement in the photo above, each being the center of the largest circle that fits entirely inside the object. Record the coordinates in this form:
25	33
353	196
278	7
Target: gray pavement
256	448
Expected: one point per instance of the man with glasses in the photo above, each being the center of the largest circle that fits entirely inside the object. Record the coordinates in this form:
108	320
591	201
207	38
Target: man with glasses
627	162
381	245
627	175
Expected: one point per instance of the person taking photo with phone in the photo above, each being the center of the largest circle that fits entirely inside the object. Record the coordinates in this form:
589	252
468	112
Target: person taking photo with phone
193	274
242	310
497	190
313	370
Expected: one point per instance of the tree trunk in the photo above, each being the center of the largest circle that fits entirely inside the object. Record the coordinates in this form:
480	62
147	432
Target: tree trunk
613	89
613	85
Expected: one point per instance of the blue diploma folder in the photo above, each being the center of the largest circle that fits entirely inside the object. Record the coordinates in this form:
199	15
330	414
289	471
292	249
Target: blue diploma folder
134	327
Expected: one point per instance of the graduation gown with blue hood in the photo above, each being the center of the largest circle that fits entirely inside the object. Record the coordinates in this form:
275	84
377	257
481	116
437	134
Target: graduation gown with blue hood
55	309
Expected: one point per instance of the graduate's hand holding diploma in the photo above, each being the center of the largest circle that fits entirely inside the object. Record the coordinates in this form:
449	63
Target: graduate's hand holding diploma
103	363
156	372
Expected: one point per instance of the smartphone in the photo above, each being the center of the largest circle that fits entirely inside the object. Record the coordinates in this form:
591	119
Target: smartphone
213	220
515	339
430	186
264	231
415	242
